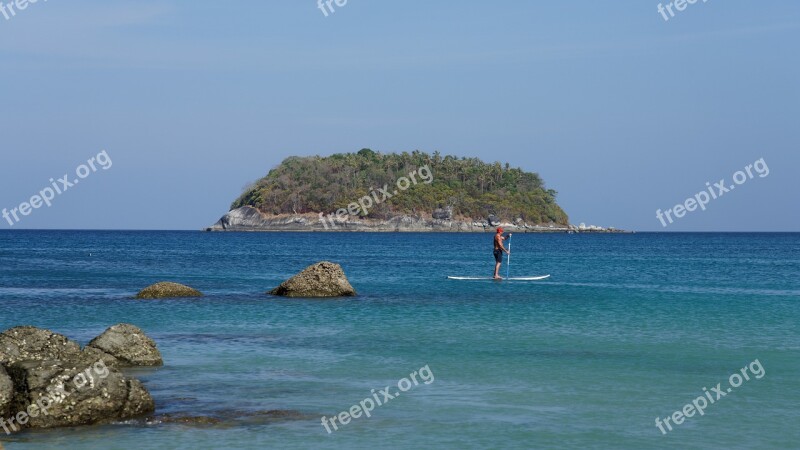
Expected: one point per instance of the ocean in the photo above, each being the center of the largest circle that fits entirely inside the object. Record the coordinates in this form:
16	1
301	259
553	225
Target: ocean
628	328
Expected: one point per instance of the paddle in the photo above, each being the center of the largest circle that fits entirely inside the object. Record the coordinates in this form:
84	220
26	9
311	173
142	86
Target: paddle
508	264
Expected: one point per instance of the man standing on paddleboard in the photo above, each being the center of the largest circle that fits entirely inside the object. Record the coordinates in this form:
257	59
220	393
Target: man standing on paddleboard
499	249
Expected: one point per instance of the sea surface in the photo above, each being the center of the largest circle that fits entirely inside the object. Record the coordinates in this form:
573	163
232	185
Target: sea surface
629	327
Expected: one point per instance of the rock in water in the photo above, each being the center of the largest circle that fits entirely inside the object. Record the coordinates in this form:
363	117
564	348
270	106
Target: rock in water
128	345
6	393
323	279
81	391
166	289
31	343
47	381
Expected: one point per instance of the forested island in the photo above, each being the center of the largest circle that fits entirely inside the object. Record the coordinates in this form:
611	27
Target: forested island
408	191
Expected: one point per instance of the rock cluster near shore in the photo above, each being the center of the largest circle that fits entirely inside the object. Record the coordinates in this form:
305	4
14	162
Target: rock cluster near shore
47	380
323	279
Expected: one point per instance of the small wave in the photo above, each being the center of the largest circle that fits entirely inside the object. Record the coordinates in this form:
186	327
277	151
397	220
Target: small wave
24	291
685	289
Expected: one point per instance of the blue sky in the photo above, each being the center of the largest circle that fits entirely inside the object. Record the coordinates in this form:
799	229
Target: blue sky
619	111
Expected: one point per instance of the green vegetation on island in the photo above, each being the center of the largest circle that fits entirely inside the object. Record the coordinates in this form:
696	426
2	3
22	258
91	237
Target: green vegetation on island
467	188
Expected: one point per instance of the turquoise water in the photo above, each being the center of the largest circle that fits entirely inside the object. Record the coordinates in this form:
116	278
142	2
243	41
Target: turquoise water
628	328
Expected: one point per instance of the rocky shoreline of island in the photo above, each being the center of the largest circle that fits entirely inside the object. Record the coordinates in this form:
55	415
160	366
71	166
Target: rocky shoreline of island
248	218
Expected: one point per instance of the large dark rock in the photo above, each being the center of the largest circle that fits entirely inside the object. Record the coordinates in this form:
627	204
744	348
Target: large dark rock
166	289
323	279
31	343
47	381
81	391
6	393
128	345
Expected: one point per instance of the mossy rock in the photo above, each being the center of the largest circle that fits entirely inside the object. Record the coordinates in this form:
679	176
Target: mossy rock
27	343
125	345
321	280
167	289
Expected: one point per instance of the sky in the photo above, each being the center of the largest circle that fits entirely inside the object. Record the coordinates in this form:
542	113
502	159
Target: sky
619	110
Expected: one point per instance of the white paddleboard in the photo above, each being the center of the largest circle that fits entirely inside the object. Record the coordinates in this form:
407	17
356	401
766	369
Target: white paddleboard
540	277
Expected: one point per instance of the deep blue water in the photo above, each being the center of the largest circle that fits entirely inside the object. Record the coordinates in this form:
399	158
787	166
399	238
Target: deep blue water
628	328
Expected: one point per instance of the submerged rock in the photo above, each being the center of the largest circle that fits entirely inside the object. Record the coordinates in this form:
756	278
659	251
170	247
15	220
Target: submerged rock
323	279
229	418
198	421
280	414
31	343
128	345
166	289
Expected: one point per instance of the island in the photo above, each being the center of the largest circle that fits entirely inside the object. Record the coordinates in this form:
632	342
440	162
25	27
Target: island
397	192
